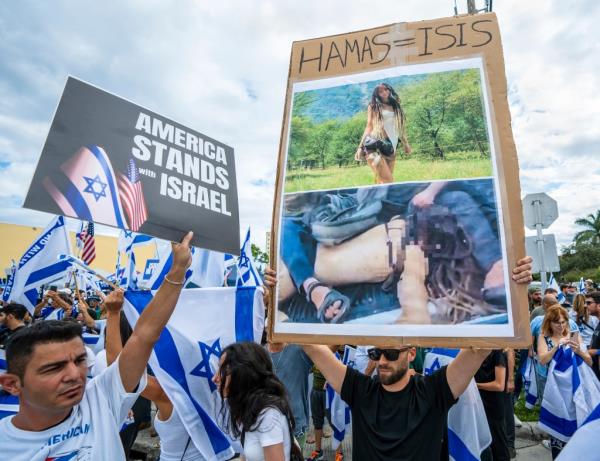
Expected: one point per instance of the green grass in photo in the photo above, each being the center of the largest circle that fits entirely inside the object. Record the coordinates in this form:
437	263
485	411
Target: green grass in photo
407	169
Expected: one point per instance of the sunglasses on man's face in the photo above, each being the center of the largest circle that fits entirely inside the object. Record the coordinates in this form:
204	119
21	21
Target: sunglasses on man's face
588	303
389	354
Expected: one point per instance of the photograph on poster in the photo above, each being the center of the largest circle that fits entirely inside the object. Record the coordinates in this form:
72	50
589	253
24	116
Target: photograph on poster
409	123
422	255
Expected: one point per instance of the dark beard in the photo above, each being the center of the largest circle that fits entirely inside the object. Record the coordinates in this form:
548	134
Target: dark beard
394	377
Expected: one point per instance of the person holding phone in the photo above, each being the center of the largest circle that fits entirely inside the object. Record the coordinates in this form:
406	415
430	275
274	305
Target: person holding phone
556	333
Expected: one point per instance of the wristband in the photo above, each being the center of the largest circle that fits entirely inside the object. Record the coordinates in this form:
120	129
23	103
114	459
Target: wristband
173	282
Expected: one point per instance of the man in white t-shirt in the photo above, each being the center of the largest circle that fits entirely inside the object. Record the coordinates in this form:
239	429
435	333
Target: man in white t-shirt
61	417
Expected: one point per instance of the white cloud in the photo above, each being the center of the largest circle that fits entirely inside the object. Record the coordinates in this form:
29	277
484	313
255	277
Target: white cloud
221	67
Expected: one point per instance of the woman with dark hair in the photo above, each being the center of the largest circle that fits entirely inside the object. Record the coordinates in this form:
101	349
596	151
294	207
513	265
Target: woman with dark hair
585	322
257	410
386	124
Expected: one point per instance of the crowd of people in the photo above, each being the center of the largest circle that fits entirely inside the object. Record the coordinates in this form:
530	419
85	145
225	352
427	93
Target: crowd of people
73	401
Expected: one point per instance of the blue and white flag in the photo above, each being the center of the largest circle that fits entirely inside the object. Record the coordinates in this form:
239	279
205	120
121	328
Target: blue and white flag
95	341
9	404
40	264
186	356
128	240
247	275
581	287
468	430
87	188
9	281
584	443
552	283
339	410
206	269
2	361
529	382
572	392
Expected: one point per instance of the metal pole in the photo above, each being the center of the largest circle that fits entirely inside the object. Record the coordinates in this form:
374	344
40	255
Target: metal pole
540	243
471	8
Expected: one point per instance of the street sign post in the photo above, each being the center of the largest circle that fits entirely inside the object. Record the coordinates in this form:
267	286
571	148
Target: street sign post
540	211
551	263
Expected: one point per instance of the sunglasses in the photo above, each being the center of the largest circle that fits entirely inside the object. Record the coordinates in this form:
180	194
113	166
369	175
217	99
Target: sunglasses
587	303
389	354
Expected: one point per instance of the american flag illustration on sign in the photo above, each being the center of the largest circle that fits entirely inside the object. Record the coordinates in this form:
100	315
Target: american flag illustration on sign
132	196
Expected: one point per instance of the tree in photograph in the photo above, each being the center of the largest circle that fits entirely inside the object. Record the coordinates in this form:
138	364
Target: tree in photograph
428	104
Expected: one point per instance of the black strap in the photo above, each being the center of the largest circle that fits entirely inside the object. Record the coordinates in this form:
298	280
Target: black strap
186	447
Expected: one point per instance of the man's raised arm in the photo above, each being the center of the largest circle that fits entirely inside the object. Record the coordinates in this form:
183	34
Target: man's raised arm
328	364
135	354
462	369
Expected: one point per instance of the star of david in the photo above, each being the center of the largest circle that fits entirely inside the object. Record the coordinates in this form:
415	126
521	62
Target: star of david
244	261
203	369
434	366
351	364
97	192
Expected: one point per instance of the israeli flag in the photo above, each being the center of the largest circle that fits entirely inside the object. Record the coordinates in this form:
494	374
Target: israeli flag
2	361
584	443
128	240
572	392
86	188
206	269
39	264
9	281
340	410
86	272
552	283
9	404
581	287
247	273
468	430
529	382
186	356
95	341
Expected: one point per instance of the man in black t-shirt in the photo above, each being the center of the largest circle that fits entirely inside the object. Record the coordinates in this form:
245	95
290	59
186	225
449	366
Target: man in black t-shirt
401	415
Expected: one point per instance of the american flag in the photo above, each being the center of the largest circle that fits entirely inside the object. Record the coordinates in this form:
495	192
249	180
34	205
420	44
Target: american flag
86	237
132	197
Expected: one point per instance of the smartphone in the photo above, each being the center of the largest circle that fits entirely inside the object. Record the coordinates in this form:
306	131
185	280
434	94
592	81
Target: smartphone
53	288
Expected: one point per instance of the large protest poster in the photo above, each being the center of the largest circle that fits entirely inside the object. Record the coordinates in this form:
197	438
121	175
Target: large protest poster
397	215
113	162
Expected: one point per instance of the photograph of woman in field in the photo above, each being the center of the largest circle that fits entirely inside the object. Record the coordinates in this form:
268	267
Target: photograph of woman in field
408	123
386	128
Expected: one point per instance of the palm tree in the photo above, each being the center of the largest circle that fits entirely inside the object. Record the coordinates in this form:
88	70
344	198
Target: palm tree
592	232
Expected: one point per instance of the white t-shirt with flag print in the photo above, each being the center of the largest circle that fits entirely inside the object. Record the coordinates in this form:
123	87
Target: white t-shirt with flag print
90	433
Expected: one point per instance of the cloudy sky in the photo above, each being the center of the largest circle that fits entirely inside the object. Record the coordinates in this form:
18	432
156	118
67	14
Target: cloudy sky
221	68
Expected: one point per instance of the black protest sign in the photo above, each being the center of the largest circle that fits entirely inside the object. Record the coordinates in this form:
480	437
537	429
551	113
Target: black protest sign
113	162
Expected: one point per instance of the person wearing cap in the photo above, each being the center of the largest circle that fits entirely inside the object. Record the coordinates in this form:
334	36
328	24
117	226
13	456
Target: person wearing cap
535	297
14	320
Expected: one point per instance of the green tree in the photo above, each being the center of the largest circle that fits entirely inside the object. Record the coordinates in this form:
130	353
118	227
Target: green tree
467	117
260	257
428	104
317	146
346	139
591	233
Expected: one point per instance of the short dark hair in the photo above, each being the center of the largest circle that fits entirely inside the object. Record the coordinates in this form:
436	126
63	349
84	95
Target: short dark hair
564	285
595	295
550	291
18	311
21	344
